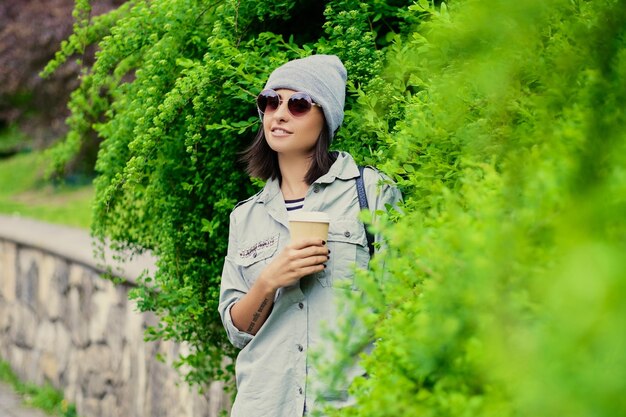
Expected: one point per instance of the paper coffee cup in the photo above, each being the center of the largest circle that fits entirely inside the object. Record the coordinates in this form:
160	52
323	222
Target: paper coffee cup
303	224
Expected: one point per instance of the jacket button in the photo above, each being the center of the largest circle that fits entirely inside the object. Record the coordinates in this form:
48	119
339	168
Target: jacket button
316	188
300	348
346	234
300	306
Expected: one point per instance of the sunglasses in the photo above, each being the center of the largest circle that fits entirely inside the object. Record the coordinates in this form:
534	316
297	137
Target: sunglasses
298	104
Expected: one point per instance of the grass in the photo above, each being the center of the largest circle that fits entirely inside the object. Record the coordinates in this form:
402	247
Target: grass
24	191
11	140
46	397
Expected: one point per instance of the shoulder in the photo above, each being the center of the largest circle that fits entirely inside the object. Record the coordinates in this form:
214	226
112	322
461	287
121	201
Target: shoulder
244	212
374	177
349	165
381	187
245	205
376	182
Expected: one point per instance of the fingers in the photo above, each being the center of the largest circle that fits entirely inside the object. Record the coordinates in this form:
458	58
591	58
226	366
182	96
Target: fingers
311	261
305	261
305	257
306	242
307	247
311	251
312	269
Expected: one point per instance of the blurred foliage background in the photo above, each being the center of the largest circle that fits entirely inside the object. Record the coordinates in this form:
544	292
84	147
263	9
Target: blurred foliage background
34	109
170	95
502	289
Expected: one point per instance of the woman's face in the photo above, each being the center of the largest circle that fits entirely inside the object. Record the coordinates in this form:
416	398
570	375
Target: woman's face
290	135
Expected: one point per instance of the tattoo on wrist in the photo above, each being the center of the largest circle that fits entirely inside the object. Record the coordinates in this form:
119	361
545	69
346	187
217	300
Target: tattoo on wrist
255	316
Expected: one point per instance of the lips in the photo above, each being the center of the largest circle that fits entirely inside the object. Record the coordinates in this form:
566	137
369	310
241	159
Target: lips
279	131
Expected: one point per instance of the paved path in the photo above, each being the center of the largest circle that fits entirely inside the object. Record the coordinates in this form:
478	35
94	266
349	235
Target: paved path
11	404
70	243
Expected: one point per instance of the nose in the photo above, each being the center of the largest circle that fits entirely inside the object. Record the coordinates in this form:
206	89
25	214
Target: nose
282	112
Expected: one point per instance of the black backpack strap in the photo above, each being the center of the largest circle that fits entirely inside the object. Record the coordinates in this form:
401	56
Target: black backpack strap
360	189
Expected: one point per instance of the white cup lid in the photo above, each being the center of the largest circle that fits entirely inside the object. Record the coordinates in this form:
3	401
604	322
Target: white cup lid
309	216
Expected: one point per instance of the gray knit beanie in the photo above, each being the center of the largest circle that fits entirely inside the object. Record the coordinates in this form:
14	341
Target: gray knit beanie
323	77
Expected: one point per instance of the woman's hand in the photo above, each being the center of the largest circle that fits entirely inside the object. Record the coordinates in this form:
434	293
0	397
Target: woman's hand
297	260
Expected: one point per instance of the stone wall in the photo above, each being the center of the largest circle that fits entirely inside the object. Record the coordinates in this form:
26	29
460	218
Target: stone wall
62	322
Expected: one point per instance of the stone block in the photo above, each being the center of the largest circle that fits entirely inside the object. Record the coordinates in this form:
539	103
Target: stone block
54	343
79	401
94	359
23	329
160	390
75	319
188	401
99	384
27	277
70	377
15	356
76	275
133	377
63	344
102	305
6	317
133	326
79	309
90	407
49	367
46	336
109	406
115	337
215	400
25	363
8	270
53	286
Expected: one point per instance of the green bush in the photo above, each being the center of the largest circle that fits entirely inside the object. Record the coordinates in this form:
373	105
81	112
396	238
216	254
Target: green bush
503	286
171	97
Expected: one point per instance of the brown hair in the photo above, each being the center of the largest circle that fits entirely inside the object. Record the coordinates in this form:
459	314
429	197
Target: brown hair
262	161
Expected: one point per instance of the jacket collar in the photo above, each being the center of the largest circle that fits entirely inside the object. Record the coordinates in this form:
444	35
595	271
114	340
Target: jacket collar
270	191
344	168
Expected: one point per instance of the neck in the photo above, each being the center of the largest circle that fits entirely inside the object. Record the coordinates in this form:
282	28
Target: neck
293	170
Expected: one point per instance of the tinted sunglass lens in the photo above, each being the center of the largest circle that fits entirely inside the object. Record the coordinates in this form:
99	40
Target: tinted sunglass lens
261	103
299	104
267	100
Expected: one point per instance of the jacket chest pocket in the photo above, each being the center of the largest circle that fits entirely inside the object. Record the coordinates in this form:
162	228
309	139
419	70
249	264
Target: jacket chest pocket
348	246
253	256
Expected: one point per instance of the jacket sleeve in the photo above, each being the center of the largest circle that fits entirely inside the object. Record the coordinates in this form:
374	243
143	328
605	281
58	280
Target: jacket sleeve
232	288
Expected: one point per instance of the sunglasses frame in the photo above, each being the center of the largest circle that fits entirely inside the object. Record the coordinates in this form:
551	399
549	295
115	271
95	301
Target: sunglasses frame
302	94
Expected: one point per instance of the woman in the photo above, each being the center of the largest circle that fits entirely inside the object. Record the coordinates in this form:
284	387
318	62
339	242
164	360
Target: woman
276	295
